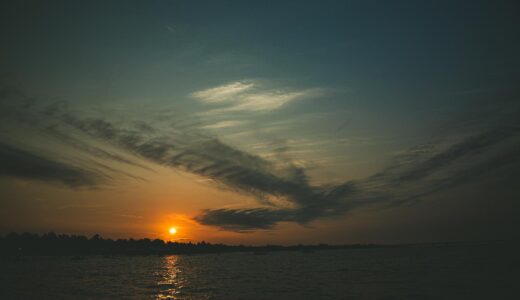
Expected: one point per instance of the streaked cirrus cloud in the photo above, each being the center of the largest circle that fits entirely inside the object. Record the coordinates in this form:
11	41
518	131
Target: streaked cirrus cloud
223	93
283	192
250	96
224	124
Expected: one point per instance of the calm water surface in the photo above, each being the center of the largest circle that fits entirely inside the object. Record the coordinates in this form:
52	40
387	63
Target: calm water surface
461	272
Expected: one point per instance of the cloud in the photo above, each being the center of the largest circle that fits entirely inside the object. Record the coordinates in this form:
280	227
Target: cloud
414	174
266	101
283	191
86	147
224	124
204	156
243	219
223	93
170	28
249	97
417	173
16	162
421	164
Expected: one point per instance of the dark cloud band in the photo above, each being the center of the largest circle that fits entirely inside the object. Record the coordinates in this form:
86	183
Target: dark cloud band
419	172
16	162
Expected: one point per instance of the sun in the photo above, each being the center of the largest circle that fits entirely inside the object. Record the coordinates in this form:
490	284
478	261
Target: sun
172	230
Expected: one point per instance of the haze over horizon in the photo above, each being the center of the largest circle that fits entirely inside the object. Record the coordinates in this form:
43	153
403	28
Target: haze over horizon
261	122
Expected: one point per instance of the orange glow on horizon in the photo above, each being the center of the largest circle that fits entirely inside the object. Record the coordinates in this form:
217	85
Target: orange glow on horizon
186	229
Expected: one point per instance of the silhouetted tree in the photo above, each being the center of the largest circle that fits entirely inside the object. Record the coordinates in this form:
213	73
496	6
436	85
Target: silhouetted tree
63	244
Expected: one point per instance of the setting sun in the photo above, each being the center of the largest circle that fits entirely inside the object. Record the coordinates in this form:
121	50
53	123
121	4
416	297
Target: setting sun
173	230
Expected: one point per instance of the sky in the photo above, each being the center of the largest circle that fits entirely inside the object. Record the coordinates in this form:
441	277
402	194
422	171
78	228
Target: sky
261	122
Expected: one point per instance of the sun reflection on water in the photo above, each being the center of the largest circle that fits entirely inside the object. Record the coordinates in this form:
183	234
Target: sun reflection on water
170	280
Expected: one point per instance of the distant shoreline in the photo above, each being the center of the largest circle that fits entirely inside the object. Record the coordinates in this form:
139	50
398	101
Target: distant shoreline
51	244
54	244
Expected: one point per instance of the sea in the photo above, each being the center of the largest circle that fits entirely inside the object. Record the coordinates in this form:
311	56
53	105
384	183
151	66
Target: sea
460	271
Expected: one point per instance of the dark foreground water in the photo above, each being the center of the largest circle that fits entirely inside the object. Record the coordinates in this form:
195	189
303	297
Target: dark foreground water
454	272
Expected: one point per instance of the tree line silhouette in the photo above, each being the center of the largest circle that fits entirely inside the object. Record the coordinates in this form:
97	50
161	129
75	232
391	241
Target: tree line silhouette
63	244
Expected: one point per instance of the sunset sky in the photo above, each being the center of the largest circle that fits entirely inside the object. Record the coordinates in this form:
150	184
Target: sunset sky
254	122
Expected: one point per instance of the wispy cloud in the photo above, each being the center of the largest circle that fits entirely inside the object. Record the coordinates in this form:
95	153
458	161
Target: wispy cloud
407	181
224	124
170	28
250	96
414	174
223	93
266	101
244	219
17	162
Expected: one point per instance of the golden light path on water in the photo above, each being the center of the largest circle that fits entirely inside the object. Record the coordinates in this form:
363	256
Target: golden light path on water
170	282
